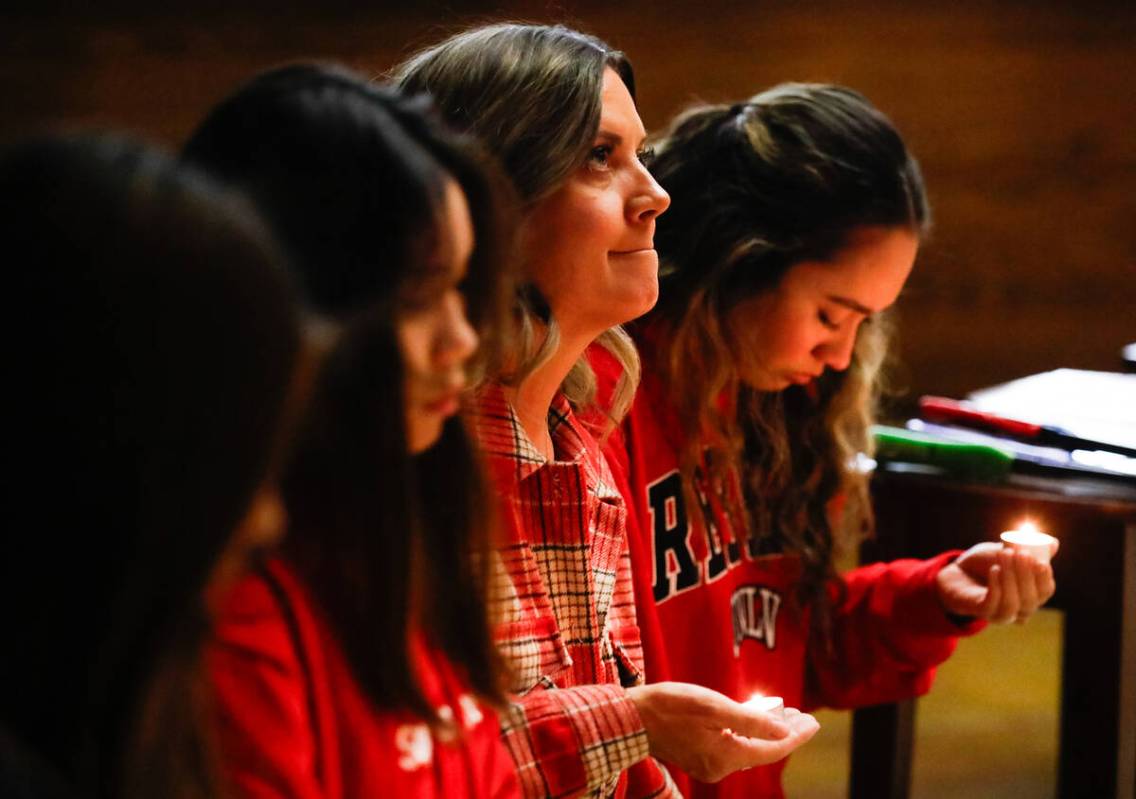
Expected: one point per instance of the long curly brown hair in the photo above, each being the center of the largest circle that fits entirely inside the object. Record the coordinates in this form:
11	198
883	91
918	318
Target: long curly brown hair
785	177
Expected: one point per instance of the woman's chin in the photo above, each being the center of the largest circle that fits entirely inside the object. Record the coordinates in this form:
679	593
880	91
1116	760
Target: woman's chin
642	300
767	383
423	433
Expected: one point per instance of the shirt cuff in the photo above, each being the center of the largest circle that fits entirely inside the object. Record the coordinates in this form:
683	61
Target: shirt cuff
923	613
573	740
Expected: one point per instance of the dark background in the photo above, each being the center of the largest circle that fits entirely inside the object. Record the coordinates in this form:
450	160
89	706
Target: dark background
1022	113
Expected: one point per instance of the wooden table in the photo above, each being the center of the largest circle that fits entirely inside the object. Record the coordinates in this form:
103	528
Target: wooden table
920	514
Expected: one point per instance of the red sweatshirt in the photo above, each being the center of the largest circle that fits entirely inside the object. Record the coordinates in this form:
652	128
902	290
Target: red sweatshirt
715	615
293	723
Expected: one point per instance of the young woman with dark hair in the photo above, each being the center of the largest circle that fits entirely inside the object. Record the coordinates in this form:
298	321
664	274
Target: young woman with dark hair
557	109
359	662
794	224
151	344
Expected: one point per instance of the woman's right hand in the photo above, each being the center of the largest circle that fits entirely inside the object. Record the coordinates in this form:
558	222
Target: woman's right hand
710	736
996	583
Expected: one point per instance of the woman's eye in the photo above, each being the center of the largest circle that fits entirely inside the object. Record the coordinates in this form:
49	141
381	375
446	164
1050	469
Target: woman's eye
419	300
646	155
826	320
413	306
599	156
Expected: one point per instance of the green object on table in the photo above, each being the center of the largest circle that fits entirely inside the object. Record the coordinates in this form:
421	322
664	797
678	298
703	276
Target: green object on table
973	461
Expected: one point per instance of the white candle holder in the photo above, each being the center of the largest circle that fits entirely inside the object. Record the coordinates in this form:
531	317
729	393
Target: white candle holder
1028	538
767	704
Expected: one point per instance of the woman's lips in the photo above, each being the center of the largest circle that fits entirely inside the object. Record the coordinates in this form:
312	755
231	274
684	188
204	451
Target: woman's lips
801	378
445	405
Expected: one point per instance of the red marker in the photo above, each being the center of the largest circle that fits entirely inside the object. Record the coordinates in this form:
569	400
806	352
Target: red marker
948	411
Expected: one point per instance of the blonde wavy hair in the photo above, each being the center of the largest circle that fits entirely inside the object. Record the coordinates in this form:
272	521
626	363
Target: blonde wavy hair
785	177
531	94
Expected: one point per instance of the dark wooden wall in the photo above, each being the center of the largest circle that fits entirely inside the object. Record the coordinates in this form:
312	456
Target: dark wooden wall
1022	113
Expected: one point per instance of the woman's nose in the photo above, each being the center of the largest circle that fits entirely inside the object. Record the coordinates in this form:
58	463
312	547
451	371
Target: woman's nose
457	339
649	200
836	353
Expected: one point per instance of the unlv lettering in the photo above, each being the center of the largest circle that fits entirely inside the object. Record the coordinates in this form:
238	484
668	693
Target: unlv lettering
675	569
754	610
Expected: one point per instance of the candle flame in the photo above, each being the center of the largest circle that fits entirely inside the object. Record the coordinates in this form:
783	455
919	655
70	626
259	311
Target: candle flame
1028	527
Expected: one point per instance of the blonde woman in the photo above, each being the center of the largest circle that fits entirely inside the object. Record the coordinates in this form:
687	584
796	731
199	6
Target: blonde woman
557	108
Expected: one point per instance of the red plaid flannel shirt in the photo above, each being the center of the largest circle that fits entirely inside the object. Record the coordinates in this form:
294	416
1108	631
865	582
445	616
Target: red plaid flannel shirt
565	611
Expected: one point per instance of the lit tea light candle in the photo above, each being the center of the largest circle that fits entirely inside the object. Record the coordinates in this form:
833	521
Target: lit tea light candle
1029	539
767	704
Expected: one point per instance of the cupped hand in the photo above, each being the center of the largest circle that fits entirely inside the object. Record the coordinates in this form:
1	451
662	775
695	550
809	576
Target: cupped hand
710	736
996	583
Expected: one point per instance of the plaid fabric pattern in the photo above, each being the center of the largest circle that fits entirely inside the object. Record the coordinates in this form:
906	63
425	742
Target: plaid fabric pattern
565	608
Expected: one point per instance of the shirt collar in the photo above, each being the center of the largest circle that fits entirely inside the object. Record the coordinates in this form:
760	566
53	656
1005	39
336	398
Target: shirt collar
503	438
511	455
501	434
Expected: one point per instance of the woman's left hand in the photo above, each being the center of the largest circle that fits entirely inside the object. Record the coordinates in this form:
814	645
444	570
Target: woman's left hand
995	583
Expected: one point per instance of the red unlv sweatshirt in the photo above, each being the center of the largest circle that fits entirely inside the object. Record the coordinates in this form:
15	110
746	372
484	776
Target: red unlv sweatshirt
712	613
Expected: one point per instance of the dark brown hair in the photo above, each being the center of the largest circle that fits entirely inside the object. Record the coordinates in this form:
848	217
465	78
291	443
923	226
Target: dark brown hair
153	337
353	175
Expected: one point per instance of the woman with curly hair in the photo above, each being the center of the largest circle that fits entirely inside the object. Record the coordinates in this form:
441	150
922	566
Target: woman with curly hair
794	224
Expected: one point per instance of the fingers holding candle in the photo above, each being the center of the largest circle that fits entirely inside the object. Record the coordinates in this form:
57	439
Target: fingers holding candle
709	735
1016	587
996	583
1034	576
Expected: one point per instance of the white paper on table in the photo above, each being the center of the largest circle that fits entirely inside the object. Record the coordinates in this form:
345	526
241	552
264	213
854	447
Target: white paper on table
1096	405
